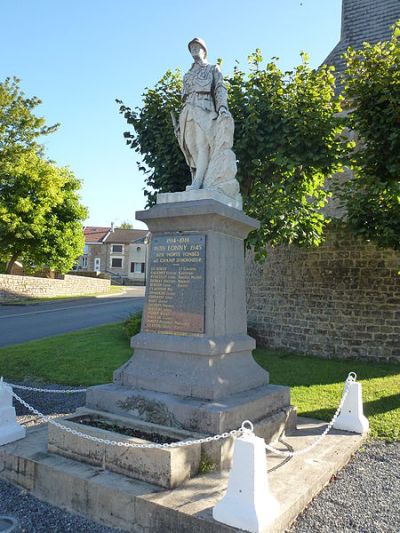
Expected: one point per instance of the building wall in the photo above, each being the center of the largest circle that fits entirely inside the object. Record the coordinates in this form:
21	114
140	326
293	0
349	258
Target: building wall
14	287
132	253
137	254
122	271
363	20
97	250
341	299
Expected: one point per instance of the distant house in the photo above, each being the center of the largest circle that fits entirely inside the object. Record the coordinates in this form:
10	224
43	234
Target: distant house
122	253
94	237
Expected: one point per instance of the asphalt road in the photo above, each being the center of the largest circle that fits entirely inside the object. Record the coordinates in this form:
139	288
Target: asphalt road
24	323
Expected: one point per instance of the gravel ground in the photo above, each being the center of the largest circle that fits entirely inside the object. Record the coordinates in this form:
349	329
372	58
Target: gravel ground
48	404
34	516
363	497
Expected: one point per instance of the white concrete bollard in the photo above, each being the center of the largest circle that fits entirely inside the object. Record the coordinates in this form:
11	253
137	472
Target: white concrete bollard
10	430
248	503
351	417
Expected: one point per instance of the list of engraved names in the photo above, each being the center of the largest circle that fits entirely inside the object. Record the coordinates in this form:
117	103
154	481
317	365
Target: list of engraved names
175	301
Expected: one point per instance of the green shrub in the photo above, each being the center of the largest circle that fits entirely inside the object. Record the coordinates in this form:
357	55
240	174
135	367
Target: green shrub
132	324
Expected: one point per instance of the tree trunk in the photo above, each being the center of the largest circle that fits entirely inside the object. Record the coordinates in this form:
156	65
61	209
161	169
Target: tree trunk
246	186
11	262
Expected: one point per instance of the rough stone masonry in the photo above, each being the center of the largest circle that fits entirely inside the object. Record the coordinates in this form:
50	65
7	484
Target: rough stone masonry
341	299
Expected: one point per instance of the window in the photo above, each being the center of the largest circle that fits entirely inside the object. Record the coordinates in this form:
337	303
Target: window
116	262
84	261
137	268
117	248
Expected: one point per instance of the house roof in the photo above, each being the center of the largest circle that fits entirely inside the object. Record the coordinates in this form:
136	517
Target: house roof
142	239
125	236
95	233
362	21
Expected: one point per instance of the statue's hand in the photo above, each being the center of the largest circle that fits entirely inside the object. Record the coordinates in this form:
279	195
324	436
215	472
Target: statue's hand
223	112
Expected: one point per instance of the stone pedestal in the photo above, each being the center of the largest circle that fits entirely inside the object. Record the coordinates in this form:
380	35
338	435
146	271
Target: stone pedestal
192	366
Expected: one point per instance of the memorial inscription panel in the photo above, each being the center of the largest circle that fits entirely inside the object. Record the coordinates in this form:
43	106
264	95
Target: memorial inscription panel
176	285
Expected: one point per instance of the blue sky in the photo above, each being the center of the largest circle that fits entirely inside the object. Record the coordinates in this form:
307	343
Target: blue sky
79	55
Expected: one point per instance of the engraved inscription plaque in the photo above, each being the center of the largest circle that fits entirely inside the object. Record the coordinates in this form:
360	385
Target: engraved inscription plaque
176	285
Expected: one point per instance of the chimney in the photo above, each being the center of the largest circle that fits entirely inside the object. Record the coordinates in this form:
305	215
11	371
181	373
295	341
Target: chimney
112	227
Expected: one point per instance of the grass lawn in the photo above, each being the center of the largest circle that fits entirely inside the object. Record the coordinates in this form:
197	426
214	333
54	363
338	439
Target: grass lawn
317	386
88	357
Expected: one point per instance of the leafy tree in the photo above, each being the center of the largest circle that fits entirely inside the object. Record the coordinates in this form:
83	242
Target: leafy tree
372	197
287	142
126	225
19	127
40	213
162	161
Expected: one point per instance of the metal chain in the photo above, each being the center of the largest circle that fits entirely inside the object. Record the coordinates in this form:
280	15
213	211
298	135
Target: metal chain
35	389
245	429
351	377
180	444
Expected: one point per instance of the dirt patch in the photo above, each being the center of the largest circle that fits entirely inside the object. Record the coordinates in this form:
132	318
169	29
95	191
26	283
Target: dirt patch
101	423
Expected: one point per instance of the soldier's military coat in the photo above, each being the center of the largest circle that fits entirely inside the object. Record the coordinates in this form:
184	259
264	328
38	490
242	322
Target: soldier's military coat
203	94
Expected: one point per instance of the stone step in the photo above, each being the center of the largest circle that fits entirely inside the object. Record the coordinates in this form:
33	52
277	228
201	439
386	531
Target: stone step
203	416
132	505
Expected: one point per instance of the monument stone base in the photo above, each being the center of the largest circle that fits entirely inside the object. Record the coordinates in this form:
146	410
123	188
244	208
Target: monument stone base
192	414
199	194
192	368
165	467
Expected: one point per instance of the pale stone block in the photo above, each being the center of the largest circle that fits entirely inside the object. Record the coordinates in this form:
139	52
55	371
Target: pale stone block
191	414
248	503
10	430
199	194
351	417
166	467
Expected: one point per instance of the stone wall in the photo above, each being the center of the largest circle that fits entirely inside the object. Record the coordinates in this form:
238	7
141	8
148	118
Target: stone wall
341	299
15	287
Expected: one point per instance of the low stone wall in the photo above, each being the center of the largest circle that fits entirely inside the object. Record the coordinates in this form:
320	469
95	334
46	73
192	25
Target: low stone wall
90	274
341	299
16	287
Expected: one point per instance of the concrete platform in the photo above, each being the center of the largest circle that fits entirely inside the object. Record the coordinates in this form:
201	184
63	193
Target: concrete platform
139	507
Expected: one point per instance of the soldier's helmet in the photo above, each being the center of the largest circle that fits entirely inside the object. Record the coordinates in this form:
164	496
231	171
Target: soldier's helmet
200	42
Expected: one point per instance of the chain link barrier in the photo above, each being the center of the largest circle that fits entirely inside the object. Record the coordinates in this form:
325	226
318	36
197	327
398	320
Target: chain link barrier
179	444
246	428
52	391
350	378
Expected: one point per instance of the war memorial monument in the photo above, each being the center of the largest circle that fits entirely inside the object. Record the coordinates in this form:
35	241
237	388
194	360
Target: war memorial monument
192	375
193	366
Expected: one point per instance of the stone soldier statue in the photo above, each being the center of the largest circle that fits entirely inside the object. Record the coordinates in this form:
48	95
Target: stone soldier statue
205	128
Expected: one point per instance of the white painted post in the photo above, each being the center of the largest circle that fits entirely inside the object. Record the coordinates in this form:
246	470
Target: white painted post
10	430
351	417
248	503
